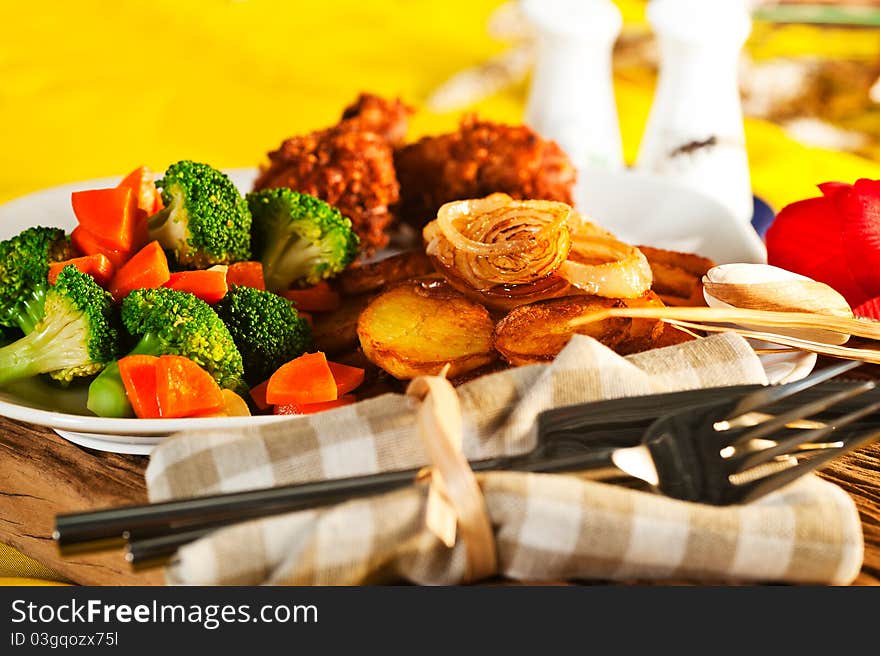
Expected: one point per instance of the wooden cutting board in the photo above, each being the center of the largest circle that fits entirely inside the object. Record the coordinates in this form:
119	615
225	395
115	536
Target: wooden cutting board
42	475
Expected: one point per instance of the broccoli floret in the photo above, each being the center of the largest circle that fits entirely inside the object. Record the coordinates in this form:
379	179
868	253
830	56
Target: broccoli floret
76	337
171	322
24	267
205	220
300	239
266	328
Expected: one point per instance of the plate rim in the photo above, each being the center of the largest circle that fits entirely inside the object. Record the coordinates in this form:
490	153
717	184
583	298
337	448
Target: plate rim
129	425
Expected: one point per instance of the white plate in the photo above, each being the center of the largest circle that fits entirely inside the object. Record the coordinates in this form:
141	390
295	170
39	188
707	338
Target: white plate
640	208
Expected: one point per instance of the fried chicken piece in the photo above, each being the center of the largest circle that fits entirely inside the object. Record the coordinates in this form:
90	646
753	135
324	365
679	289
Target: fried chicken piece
350	166
389	118
480	159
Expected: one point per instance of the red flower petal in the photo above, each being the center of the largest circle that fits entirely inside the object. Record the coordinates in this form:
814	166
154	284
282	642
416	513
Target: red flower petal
861	237
834	239
869	309
830	189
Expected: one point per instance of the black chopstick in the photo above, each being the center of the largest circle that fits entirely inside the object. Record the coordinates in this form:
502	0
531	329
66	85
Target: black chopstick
75	529
184	517
158	550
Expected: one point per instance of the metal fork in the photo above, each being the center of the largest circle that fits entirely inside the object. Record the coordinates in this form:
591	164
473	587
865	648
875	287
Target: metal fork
696	456
730	452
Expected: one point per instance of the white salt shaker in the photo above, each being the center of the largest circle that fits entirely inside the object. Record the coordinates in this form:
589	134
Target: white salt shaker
571	99
695	129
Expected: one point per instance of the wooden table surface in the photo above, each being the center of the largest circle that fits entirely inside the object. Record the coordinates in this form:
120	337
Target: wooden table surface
42	475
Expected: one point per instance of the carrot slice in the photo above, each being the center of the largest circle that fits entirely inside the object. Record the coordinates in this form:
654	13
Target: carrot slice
184	389
347	378
147	197
320	298
312	408
97	266
210	286
87	244
148	268
247	274
258	394
140	181
233	406
138	374
306	379
109	214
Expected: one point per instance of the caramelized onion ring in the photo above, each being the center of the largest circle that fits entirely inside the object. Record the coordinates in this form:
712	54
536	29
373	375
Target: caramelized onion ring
508	253
499	241
507	297
607	267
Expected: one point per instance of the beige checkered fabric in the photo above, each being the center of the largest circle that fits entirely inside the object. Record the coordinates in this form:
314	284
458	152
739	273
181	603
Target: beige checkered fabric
547	527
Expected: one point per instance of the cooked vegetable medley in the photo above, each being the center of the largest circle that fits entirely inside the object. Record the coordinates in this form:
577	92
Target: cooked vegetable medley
154	302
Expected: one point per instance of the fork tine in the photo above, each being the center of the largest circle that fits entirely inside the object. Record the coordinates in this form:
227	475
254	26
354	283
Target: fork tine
786	445
760	487
775	424
768	395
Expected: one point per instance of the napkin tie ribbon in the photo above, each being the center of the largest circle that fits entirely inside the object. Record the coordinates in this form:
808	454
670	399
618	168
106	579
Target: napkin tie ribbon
455	501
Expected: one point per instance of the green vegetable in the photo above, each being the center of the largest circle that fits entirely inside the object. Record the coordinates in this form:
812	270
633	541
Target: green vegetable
77	335
300	239
266	328
205	220
171	322
24	270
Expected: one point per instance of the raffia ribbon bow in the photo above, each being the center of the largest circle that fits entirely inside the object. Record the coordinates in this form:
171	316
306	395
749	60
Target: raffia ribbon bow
455	501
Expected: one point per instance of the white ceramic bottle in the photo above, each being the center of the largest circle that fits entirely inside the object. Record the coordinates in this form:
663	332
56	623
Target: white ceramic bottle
571	99
695	129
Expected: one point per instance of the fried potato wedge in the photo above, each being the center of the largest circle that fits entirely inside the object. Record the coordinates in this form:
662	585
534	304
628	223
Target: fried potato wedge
531	334
372	277
418	326
672	336
336	331
694	264
678	277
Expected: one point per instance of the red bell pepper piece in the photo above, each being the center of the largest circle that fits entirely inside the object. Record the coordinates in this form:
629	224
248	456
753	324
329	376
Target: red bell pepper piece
87	244
109	214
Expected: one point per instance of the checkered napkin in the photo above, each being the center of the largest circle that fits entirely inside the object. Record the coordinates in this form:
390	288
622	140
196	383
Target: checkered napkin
547	527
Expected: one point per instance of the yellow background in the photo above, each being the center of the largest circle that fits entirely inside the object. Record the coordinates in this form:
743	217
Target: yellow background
95	88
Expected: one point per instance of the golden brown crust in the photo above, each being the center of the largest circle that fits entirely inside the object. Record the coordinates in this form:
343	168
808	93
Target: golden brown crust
350	169
336	331
371	277
479	159
350	166
536	333
417	327
388	118
678	277
672	336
